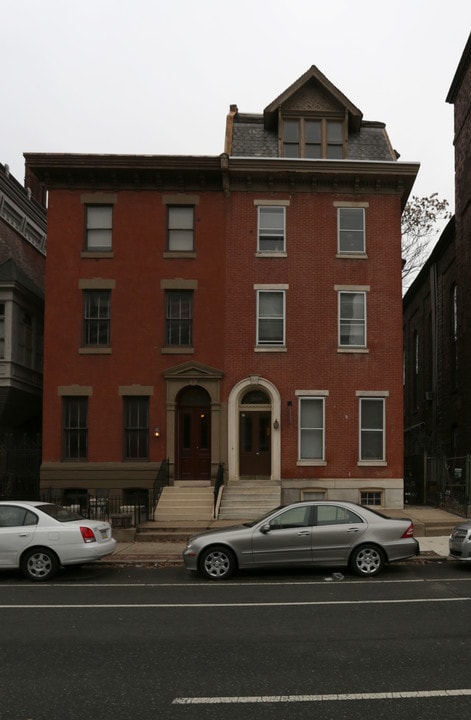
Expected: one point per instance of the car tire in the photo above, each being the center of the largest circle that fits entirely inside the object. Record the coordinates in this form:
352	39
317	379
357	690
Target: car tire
217	563
367	560
40	564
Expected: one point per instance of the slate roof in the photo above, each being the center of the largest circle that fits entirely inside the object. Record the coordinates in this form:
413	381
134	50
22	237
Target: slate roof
256	135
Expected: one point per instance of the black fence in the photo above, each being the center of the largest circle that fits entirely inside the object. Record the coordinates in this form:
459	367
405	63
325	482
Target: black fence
124	508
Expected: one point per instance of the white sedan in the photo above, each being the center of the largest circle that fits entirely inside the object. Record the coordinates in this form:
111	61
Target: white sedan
39	537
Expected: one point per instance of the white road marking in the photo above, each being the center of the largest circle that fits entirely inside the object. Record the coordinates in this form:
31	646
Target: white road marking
345	697
330	603
221	585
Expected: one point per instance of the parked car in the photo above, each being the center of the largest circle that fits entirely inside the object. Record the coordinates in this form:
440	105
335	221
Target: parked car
460	541
334	534
39	537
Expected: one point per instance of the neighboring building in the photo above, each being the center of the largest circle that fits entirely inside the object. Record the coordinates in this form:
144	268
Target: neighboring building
22	268
437	337
243	309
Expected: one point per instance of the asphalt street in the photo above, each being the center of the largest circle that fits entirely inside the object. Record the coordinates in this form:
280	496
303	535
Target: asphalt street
121	643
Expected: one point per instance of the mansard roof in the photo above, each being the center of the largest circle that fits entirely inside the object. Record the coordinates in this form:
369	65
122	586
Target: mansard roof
252	135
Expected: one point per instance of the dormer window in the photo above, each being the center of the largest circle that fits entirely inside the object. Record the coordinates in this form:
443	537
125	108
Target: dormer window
313	138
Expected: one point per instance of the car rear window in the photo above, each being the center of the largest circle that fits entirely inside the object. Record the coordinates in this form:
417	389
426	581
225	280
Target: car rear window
59	513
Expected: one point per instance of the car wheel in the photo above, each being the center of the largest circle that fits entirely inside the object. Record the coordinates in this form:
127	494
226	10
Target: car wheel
40	564
217	563
367	560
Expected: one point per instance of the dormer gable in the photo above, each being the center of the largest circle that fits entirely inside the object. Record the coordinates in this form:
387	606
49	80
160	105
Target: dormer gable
313	118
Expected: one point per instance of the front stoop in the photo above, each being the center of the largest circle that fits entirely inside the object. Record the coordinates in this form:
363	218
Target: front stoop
249	499
185	502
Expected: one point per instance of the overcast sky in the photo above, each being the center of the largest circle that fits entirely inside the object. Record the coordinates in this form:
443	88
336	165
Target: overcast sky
158	76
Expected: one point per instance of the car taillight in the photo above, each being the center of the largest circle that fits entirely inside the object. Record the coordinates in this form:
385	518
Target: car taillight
409	532
87	534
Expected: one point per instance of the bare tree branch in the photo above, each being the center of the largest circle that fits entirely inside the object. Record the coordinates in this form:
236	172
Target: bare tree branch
419	227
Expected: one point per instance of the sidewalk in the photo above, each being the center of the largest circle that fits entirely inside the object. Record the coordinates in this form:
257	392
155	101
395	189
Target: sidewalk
431	525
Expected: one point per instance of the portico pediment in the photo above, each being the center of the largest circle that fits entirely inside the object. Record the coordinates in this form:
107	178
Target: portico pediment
193	371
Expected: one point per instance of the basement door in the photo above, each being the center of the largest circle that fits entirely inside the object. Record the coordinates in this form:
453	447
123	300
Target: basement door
193	436
255	443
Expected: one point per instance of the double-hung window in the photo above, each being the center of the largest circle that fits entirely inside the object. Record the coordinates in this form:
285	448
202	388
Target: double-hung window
74	428
352	319
136	428
351	230
179	317
271	229
99	228
96	318
372	429
270	317
181	221
311	428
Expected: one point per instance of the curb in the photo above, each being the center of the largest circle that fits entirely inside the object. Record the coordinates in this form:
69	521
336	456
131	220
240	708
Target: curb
176	560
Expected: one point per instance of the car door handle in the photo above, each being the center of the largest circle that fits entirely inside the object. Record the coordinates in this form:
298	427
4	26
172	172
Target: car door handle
24	534
354	529
304	532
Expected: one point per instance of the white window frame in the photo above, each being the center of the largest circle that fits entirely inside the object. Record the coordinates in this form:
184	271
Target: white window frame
343	231
99	230
268	234
180	232
307	396
264	289
359	322
371	397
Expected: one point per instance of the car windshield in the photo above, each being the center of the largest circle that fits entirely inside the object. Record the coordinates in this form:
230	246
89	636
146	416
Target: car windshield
59	513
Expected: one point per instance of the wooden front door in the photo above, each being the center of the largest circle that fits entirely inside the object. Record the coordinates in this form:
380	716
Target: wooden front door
194	443
255	443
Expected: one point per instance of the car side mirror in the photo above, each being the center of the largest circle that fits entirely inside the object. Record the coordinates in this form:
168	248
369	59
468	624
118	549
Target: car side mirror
265	529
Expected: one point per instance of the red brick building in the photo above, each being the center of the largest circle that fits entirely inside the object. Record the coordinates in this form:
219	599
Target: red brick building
243	309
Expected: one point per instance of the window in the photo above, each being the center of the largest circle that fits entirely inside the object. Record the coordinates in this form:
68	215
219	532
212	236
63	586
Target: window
25	340
11	516
311	428
271	229
75	428
270	317
313	138
99	227
415	370
351	230
136	428
2	331
181	229
352	319
372	429
454	337
371	497
96	317
334	515
293	518
179	317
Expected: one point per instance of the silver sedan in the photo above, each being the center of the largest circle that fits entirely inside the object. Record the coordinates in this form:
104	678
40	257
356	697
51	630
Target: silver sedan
333	534
460	541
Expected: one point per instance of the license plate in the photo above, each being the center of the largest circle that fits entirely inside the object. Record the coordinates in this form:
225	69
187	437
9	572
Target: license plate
104	534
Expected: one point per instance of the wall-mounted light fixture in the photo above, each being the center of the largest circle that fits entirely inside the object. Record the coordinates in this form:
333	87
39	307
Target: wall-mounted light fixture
276	424
156	432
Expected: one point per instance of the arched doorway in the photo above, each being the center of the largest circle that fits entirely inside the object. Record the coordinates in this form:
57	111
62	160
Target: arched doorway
193	435
254	425
255	434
